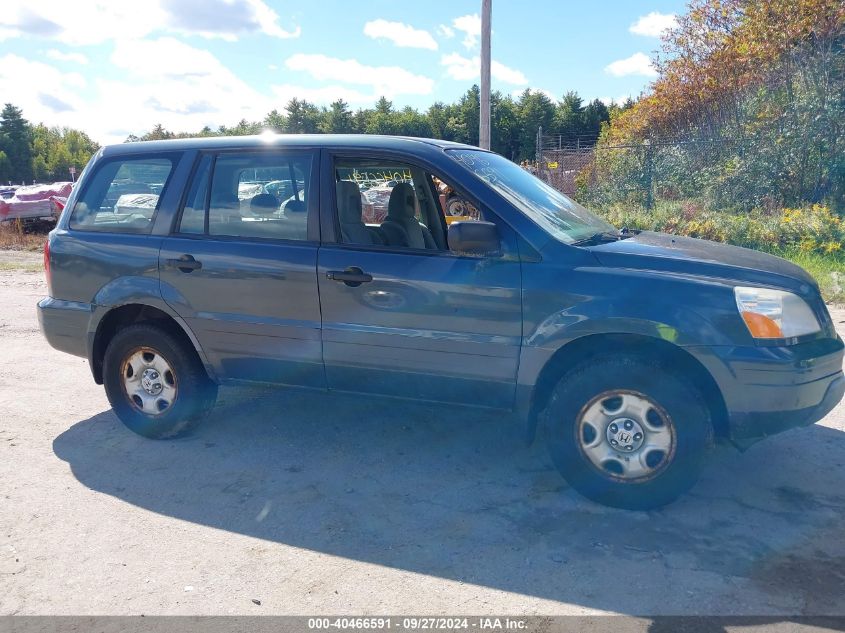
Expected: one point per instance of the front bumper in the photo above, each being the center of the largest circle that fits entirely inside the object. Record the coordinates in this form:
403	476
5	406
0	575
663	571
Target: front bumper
768	390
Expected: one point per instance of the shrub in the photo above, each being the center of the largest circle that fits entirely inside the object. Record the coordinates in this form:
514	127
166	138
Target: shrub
812	228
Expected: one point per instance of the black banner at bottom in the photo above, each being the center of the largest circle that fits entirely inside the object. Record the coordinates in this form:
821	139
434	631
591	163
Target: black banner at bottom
419	623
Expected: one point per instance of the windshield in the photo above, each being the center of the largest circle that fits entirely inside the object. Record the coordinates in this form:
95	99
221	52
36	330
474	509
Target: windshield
563	218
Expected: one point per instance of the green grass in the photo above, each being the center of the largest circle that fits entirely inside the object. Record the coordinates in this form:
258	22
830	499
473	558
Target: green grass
828	270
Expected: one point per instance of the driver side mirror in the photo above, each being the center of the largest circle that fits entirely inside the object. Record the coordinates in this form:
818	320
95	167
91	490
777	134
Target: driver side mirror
474	238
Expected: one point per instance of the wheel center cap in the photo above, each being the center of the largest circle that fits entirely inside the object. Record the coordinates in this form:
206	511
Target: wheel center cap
151	382
625	435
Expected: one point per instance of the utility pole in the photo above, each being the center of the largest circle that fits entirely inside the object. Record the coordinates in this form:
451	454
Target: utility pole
484	110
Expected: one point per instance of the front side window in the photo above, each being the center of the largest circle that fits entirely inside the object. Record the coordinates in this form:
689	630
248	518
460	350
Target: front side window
254	195
561	217
386	203
122	195
382	202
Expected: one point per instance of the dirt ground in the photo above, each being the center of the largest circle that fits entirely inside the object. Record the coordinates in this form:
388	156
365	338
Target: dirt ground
328	504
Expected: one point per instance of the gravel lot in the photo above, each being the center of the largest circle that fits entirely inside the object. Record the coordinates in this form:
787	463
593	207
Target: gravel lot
318	504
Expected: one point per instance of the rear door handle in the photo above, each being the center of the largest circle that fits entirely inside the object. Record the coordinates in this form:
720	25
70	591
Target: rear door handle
186	263
352	276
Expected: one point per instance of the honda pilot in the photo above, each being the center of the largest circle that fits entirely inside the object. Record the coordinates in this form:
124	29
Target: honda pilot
177	266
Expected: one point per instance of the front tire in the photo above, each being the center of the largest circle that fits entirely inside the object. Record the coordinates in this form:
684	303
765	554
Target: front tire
625	432
155	382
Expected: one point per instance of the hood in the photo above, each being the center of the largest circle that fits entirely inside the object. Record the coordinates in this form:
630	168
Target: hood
686	255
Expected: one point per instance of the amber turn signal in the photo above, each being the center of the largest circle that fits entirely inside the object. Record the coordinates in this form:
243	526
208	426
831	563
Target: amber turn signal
761	326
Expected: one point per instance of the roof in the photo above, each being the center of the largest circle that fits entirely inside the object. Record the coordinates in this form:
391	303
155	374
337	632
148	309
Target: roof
357	141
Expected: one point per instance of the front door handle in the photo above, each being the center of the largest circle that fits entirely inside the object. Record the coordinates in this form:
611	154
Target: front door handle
186	263
352	276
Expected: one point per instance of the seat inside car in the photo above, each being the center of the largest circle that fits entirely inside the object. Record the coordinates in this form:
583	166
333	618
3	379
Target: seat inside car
350	212
264	204
401	227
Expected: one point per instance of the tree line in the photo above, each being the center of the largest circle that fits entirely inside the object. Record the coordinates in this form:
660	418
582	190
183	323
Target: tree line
514	121
30	153
38	152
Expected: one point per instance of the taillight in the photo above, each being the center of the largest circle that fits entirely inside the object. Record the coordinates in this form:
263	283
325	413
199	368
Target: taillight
47	267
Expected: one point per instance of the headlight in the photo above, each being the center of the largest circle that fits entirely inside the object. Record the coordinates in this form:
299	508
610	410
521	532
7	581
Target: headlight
775	313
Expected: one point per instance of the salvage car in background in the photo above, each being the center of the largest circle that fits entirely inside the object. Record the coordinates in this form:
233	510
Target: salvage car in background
33	202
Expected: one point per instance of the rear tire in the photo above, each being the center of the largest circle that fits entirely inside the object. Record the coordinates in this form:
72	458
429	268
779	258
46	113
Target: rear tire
155	382
625	432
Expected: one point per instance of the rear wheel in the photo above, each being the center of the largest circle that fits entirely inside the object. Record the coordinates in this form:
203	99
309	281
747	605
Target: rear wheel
155	383
626	432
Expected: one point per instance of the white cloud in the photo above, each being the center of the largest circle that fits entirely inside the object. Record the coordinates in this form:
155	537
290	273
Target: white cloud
22	80
167	57
384	80
638	64
225	19
470	26
162	81
402	35
466	69
95	21
79	23
460	67
445	31
506	74
653	24
167	81
74	58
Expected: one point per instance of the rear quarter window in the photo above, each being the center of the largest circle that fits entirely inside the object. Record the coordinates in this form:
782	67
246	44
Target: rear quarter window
122	195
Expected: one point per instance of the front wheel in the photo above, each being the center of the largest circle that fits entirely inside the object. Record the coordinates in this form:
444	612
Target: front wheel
155	383
627	433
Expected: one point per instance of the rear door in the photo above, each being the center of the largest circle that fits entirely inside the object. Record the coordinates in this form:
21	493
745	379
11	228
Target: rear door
422	323
240	266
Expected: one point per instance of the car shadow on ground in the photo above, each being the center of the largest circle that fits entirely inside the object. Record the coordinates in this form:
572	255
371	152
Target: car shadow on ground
455	493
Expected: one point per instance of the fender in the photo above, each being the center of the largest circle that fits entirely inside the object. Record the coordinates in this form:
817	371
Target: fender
688	313
136	290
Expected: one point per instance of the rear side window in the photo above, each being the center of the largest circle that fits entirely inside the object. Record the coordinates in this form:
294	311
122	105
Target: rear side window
254	195
123	195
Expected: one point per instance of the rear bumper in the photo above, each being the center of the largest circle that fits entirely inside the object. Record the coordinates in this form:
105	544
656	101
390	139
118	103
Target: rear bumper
768	390
65	325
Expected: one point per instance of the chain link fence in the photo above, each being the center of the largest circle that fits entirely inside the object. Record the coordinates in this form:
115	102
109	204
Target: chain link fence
655	169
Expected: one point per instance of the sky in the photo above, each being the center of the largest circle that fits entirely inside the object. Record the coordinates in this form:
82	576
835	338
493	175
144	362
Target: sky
118	67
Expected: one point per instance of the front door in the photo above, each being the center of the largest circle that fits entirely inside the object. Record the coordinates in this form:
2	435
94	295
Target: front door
240	269
404	316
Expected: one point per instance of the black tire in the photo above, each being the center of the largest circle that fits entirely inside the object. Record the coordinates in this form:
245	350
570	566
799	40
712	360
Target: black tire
678	403
195	393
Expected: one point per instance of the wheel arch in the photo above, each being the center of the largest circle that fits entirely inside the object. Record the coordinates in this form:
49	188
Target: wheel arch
129	314
590	346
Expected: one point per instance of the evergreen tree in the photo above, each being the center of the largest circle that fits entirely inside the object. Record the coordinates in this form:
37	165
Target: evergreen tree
536	110
337	119
275	121
303	117
594	115
15	142
569	116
